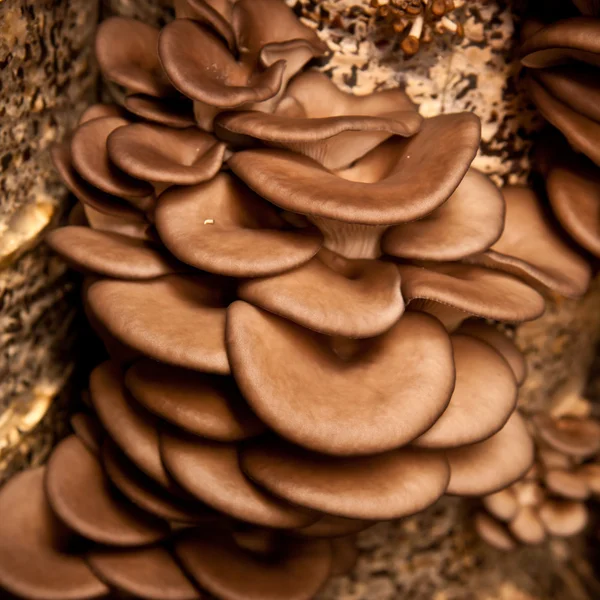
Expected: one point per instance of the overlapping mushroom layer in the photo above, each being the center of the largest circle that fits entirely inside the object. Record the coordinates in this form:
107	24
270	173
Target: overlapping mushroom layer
551	499
562	56
284	277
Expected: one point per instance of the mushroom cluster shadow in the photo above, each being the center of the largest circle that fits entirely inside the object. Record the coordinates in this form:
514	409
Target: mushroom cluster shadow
295	287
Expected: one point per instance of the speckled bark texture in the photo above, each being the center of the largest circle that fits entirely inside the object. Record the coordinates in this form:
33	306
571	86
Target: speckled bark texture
435	555
47	76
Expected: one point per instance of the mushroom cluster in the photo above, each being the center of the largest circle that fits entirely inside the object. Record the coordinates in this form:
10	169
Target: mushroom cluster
551	499
561	51
291	283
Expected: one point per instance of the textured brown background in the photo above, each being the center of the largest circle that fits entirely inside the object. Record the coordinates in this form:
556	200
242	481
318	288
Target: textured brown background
47	76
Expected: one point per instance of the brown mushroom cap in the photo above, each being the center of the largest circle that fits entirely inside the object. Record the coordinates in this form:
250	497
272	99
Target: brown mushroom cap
574	85
363	297
572	436
201	66
162	154
573	187
126	52
32	561
229	572
485	394
216	13
173	112
591	474
345	555
581	132
110	254
329	526
206	405
88	430
501	343
131	429
98	111
503	504
86	193
210	471
553	459
531	249
80	494
472	289
470	221
493	533
221	226
527	526
384	187
564	518
567	484
486	467
305	395
146	493
184	325
560	42
377	487
91	160
149	573
318	120
136	227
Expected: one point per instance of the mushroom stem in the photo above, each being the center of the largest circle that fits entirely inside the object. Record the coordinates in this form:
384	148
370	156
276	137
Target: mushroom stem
351	240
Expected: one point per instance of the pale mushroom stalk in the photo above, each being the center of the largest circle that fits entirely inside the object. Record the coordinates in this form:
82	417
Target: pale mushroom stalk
351	240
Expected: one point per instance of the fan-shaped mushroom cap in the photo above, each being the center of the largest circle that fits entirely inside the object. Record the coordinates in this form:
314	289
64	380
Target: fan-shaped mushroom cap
80	494
531	249
574	85
205	405
345	555
501	343
259	36
201	66
110	254
131	429
384	187
527	526
318	120
136	227
210	471
503	504
363	297
32	564
486	467
86	193
553	459
162	154
150	573
377	487
173	112
493	533
329	526
470	221
305	396
221	226
591	474
563	518
472	289
91	160
231	573
88	430
216	13
484	397
567	484
573	187
581	132
146	493
126	52
184	325
99	111
572	436
560	42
